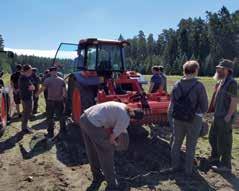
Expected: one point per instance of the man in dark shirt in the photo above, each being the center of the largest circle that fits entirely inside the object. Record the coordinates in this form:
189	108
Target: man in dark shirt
36	82
14	83
156	80
224	106
26	88
56	95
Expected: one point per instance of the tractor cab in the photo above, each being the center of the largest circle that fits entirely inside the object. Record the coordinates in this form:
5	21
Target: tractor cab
96	73
102	58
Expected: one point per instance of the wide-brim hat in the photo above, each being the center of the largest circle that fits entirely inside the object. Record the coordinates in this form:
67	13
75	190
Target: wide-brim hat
225	64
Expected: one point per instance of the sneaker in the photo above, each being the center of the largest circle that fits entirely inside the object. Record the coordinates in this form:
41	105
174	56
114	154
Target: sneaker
221	169
27	130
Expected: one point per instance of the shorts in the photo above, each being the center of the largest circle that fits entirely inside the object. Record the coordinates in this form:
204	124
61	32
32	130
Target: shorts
16	97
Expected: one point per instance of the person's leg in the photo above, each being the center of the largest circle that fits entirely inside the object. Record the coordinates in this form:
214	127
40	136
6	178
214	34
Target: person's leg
17	101
45	97
213	140
180	132
27	110
59	108
90	149
24	115
105	151
193	132
50	120
225	143
35	104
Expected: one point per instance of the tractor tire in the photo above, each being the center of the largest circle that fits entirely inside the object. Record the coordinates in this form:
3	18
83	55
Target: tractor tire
80	98
3	113
137	133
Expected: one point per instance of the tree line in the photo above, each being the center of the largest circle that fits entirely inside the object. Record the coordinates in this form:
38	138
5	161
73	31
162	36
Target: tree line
206	40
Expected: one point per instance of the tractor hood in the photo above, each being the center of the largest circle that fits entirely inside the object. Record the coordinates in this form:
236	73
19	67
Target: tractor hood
87	78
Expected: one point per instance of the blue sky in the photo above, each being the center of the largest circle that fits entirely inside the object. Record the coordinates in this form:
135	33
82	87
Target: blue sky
43	24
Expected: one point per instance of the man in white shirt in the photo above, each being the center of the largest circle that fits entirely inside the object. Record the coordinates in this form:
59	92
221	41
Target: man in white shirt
104	128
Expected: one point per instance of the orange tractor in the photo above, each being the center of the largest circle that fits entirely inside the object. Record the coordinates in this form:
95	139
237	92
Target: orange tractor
96	73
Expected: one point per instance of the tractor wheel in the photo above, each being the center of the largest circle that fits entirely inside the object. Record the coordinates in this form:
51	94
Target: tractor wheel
137	133
3	114
81	98
76	105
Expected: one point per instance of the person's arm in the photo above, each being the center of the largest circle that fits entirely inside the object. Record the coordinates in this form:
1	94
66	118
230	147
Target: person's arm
151	85
120	127
232	92
64	92
42	89
203	99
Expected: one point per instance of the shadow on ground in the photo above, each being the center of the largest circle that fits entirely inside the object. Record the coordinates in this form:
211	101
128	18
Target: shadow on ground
137	167
11	142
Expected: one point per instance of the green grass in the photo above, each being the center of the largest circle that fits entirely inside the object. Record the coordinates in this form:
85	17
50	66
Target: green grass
203	147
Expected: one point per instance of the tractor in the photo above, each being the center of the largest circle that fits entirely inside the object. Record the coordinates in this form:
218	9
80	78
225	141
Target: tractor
96	72
6	61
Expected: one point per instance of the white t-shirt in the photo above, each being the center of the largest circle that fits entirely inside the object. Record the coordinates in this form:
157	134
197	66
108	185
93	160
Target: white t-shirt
109	115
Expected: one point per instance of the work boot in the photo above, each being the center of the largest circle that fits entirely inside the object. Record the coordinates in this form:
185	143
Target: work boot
113	187
171	171
49	135
97	180
27	130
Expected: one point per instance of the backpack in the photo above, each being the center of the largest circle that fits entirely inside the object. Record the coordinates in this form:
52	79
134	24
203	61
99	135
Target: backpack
182	107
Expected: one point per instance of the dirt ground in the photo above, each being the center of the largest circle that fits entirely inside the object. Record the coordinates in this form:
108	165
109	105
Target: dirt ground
29	163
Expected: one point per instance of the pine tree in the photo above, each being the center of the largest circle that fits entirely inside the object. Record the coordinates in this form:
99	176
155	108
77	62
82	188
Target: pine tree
1	42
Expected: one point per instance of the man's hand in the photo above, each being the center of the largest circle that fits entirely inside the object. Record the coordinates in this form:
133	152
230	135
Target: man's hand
113	139
228	118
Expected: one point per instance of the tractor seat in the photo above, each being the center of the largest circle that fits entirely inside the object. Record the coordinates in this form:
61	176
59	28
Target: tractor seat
104	69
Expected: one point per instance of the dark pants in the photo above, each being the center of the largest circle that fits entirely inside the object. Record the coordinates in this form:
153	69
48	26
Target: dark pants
191	131
26	113
55	108
35	104
220	138
99	150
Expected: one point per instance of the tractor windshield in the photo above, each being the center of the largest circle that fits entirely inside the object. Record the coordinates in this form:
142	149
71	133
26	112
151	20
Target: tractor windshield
68	59
110	58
